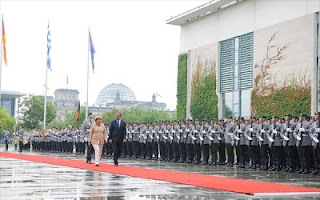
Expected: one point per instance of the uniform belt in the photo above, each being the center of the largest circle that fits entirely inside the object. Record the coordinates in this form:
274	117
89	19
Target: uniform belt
304	135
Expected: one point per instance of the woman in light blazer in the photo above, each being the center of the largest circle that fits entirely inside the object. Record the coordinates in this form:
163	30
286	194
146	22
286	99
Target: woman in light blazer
97	137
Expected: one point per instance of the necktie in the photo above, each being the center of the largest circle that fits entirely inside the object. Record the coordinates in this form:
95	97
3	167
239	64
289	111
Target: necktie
119	124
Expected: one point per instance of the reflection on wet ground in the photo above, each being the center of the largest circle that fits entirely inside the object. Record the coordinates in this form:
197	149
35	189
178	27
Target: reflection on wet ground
29	180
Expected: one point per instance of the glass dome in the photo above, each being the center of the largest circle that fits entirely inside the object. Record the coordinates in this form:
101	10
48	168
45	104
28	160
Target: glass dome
109	93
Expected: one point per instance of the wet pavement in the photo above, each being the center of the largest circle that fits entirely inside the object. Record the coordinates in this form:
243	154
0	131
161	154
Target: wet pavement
29	180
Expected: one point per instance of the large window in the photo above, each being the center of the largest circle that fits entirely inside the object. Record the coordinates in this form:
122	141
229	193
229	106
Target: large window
236	75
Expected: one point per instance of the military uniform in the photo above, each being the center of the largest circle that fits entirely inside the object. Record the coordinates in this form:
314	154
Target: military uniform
275	132
149	142
86	130
6	138
169	137
264	145
197	148
163	139
206	142
142	141
189	143
182	143
155	141
316	146
229	140
20	135
303	134
129	141
215	132
290	146
242	144
252	135
175	142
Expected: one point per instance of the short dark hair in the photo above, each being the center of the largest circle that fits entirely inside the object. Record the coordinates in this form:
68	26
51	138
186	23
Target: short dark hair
118	113
89	114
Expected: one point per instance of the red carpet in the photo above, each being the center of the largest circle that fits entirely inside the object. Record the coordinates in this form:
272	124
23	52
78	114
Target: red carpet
207	181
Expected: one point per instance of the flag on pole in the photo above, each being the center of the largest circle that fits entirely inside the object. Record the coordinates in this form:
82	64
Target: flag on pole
48	48
4	41
78	112
91	50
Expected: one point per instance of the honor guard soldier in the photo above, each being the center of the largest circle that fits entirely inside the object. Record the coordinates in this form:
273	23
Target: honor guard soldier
252	133
222	144
229	140
162	138
86	129
290	145
149	141
129	140
197	142
6	138
142	140
215	135
206	142
182	142
190	141
303	134
20	135
155	140
175	141
168	133
264	142
315	143
242	142
135	140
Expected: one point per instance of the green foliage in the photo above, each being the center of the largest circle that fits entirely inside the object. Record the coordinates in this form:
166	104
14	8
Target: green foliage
138	115
32	109
182	86
204	100
71	119
271	96
6	121
292	100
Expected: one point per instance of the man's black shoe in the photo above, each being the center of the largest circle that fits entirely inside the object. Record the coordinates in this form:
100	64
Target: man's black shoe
89	161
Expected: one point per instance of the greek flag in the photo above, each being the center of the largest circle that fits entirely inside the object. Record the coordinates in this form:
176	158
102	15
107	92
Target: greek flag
91	50
48	48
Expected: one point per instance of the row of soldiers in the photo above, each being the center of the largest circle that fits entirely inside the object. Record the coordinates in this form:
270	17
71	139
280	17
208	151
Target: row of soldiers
289	144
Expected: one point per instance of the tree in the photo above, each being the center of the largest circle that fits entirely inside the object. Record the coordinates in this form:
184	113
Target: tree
71	119
6	121
139	115
32	109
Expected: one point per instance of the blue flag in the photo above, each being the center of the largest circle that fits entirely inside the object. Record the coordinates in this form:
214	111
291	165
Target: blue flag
48	48
91	50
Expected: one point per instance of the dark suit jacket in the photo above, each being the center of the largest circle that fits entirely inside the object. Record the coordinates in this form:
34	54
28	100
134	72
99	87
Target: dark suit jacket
115	133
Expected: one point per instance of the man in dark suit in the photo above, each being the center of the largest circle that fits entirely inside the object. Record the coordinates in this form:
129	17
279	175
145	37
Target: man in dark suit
117	135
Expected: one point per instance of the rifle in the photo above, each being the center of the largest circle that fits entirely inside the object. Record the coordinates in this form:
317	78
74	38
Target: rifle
250	130
262	134
300	134
238	134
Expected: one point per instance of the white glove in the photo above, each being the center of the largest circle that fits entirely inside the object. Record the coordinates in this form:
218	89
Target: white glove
147	131
213	131
188	130
271	139
86	139
201	138
210	138
195	131
157	137
219	138
315	139
249	138
165	137
288	130
171	138
318	130
232	143
153	131
251	129
167	131
204	132
160	131
286	138
173	131
298	138
178	137
274	131
132	131
151	137
194	138
237	138
239	131
180	131
301	129
262	130
260	139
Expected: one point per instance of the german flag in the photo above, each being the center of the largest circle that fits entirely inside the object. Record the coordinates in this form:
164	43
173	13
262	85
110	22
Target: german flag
78	112
4	41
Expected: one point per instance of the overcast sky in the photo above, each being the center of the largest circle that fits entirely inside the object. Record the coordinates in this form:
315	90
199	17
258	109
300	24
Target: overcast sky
134	46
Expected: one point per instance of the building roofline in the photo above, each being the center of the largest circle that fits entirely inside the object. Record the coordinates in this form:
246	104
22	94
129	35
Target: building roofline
201	11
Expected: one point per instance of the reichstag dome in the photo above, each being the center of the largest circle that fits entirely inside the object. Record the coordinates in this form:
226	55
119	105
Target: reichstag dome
109	93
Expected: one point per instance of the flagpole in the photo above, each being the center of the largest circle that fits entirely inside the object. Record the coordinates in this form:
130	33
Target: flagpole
45	102
87	77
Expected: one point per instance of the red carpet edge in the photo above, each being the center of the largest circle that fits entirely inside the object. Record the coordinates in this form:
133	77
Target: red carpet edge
250	187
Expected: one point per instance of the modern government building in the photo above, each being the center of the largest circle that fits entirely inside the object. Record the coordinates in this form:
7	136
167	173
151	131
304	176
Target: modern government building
253	44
